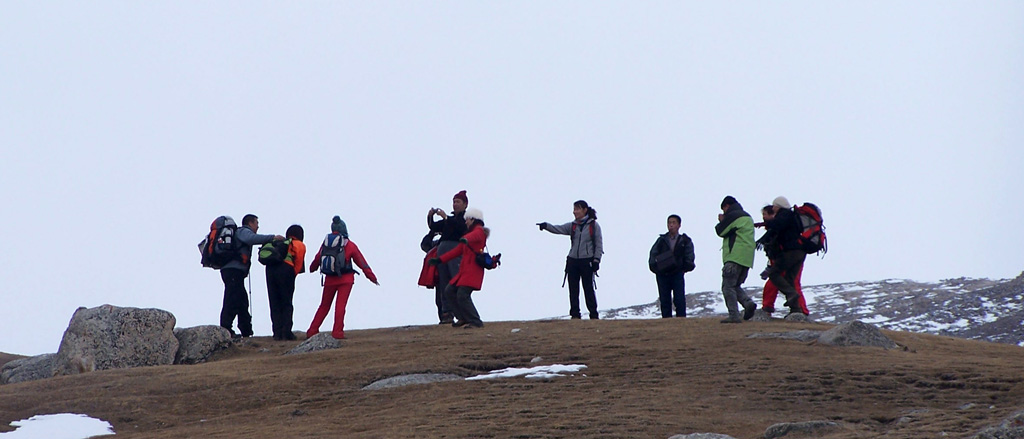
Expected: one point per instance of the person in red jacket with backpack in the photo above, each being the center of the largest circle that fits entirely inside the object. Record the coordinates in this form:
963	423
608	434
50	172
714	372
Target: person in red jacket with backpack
337	285
471	275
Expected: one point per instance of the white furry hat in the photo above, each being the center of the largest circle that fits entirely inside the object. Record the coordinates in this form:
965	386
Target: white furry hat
474	213
781	202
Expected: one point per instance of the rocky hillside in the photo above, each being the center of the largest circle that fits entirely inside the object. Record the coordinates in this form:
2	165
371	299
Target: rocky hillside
978	309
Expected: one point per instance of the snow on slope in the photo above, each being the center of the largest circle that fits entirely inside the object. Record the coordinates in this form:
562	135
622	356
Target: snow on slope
980	309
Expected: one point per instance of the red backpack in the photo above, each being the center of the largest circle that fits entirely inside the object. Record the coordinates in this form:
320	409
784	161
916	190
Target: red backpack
812	229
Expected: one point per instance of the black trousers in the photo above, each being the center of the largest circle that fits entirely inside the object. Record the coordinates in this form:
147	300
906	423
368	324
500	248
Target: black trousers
236	301
280	290
579	271
461	299
784	276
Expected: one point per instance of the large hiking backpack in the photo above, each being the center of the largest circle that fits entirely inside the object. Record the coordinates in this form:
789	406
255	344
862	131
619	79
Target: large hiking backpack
332	256
220	246
812	229
274	252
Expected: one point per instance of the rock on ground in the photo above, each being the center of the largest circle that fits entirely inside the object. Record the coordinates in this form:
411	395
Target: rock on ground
111	337
809	428
701	436
197	344
1011	428
319	342
406	380
856	333
27	369
803	335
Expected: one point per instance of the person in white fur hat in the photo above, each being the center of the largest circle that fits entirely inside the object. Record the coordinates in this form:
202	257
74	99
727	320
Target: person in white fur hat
470	277
786	228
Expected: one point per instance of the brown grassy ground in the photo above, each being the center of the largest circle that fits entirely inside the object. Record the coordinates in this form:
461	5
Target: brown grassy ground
645	379
4	358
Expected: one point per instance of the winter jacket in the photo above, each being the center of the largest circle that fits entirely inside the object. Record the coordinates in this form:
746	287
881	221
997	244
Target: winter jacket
470	273
296	256
683	253
451	228
352	256
582	245
248	238
786	228
737	232
428	275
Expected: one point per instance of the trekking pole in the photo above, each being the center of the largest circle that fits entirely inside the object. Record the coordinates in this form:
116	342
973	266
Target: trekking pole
250	295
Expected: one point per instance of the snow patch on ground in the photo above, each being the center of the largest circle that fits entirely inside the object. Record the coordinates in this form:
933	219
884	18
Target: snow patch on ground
538	372
59	426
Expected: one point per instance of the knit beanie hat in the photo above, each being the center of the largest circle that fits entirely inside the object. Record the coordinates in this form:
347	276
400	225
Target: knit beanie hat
474	213
782	203
729	199
337	225
461	196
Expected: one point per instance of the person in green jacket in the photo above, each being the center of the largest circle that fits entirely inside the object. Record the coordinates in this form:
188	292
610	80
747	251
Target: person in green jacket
736	228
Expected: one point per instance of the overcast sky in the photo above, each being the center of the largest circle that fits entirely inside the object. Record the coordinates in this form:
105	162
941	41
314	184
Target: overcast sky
127	127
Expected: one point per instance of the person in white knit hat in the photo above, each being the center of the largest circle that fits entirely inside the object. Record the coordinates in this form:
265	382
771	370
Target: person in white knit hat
790	263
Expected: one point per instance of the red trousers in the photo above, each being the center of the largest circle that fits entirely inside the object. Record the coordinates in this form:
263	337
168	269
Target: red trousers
771	292
341	292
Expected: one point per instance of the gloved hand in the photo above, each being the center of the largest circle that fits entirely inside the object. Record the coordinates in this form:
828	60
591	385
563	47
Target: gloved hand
542	226
595	265
434	261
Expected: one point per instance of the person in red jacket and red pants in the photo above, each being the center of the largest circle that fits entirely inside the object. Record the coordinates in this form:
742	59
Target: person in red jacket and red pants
471	275
339	286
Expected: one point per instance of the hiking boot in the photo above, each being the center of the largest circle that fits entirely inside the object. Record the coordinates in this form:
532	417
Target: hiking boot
473	325
459	324
446	319
290	336
748	310
575	317
278	337
594	317
768	310
731	319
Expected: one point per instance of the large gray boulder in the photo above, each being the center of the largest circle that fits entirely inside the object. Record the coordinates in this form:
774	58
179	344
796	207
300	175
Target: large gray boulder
111	337
198	343
319	342
1011	428
856	333
27	369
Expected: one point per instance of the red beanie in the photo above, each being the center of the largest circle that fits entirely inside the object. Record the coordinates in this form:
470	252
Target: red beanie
461	196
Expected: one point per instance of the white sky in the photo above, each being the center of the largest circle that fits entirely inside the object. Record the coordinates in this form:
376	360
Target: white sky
126	127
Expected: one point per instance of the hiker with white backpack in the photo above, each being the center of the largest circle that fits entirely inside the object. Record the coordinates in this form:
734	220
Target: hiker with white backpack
335	261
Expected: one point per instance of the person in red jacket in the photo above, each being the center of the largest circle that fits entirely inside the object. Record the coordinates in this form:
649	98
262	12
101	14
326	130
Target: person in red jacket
339	286
471	275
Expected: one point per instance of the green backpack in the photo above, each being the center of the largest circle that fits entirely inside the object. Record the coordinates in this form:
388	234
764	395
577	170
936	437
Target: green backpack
274	252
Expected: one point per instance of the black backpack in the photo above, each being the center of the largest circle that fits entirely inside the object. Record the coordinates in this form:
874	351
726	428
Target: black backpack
220	246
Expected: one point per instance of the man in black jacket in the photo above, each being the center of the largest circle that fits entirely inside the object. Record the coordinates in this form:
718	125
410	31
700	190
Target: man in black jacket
671	257
786	228
451	227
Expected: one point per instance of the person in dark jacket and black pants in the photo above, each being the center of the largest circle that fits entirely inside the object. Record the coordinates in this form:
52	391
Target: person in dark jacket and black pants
451	227
791	259
671	257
